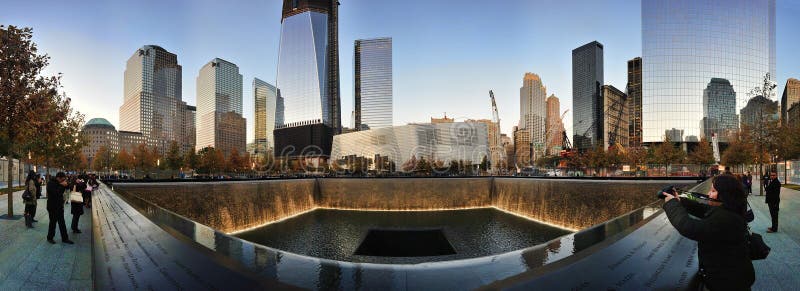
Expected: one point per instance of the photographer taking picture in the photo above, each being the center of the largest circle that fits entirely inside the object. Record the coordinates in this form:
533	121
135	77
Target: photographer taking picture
721	233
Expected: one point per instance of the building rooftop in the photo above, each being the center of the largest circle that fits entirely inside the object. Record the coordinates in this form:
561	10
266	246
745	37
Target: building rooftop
98	122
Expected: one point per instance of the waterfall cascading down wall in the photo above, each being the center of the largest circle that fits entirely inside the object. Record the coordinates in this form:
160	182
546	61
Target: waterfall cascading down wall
236	206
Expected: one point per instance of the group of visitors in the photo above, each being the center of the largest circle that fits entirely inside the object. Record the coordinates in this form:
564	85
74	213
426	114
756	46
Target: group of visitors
75	190
724	239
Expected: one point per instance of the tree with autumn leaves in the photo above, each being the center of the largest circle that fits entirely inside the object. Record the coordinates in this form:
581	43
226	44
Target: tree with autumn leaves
37	122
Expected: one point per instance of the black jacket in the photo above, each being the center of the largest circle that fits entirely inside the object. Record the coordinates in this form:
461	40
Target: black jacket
55	195
773	189
721	245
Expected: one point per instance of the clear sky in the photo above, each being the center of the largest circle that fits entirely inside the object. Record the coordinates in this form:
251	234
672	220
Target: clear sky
447	54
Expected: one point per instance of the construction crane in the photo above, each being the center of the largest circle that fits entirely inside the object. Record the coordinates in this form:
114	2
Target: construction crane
612	136
495	115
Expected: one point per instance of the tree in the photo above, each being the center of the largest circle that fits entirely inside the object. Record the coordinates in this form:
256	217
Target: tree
211	160
174	159
83	163
31	107
703	154
423	166
484	165
102	159
453	169
234	160
124	160
191	160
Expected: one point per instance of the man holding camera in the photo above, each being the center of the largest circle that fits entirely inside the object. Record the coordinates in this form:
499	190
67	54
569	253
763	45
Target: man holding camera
773	189
55	208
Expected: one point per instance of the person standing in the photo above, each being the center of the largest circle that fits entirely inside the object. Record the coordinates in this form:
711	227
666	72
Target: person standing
76	208
30	204
773	189
55	208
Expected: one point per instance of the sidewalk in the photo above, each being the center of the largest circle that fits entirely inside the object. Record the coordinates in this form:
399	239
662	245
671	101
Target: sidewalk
29	262
781	270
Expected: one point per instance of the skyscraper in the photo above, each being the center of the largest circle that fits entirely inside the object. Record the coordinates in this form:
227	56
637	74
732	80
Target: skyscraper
790	97
219	107
152	96
587	105
188	135
265	96
634	91
532	112
308	105
554	125
372	62
719	110
615	118
686	43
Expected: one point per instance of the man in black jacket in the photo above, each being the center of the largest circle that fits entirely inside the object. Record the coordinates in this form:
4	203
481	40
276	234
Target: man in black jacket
55	208
773	189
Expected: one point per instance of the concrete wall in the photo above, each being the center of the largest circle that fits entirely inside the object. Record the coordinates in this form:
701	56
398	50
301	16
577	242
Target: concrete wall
235	206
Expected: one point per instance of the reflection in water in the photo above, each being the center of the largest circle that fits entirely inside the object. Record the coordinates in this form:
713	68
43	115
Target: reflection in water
336	234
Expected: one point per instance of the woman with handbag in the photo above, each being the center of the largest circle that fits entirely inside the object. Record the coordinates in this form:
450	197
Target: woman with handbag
721	233
76	203
29	197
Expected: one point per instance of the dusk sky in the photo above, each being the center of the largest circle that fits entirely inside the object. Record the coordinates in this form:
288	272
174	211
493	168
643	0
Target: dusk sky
447	54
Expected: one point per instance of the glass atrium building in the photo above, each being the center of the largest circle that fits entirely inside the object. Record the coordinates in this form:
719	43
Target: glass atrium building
688	43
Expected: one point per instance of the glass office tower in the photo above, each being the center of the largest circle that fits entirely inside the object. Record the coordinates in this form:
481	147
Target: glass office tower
372	63
308	104
587	104
219	107
265	96
686	43
152	96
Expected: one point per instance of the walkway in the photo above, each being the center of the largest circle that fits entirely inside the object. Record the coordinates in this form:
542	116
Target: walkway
131	252
29	262
780	271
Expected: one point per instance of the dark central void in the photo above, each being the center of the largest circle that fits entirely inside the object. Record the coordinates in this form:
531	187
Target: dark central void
372	236
405	243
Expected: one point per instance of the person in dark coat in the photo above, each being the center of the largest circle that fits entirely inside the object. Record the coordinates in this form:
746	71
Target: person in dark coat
773	189
721	234
30	204
76	208
55	208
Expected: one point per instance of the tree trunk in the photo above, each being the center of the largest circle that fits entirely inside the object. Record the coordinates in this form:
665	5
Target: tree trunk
10	180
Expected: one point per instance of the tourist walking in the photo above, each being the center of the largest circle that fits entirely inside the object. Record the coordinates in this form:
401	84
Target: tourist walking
721	234
748	183
773	189
55	208
30	202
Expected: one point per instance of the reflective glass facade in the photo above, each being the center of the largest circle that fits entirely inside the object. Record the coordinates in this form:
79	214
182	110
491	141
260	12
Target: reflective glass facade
587	105
219	107
445	142
634	91
686	43
719	110
152	92
533	111
372	63
265	96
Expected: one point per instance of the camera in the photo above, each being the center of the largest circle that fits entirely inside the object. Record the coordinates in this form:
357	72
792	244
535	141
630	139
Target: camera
669	189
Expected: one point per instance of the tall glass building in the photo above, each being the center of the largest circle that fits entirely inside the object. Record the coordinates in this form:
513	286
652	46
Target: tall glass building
219	107
719	110
686	43
532	112
372	63
587	104
309	111
265	96
634	91
152	96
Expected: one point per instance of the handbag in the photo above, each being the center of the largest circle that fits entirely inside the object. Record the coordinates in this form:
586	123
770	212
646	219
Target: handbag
75	197
758	249
748	215
27	196
89	187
